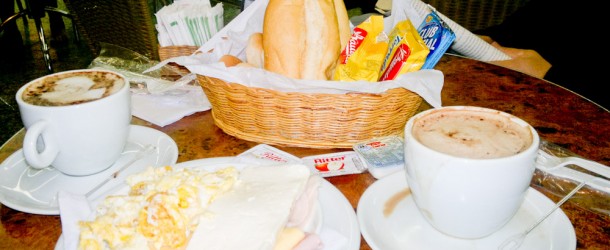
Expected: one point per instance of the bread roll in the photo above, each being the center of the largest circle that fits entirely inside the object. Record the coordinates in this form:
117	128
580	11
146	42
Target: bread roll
301	38
254	50
230	60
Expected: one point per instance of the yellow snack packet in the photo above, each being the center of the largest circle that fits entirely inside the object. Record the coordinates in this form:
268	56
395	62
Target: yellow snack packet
362	57
407	51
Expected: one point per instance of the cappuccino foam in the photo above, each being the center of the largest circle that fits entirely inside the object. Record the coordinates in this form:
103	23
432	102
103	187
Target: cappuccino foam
72	88
472	134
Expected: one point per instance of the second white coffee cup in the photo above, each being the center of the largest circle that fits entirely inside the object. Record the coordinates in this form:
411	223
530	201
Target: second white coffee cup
76	137
469	168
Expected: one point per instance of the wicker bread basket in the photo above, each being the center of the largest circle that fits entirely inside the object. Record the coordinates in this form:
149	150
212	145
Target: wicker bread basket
299	119
305	119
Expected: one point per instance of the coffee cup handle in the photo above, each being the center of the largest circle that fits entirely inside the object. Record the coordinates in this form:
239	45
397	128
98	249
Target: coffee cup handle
34	158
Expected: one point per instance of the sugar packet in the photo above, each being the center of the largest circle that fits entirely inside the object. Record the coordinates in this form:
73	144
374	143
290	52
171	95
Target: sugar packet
382	155
264	154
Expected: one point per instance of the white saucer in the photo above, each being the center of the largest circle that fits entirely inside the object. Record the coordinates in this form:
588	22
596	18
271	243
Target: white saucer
35	191
339	222
405	228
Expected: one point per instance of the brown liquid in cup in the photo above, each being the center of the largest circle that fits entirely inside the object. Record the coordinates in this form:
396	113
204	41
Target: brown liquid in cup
472	134
72	88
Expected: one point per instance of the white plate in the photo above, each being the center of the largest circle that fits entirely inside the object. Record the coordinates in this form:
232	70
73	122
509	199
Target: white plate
405	228
338	216
35	191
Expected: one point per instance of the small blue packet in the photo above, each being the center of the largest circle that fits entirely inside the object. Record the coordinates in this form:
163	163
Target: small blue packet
437	36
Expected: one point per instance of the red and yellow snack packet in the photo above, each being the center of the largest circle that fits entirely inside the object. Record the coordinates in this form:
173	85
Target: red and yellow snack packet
362	57
407	51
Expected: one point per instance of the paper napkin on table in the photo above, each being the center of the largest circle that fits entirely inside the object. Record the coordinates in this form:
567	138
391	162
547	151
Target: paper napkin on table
72	208
162	102
170	106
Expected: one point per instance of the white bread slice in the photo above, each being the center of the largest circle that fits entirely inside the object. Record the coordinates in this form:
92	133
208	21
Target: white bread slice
254	212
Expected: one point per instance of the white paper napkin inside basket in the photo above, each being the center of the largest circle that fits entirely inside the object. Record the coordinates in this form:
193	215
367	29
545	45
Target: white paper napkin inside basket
169	106
232	39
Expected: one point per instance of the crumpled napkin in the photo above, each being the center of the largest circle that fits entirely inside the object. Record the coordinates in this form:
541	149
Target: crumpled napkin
170	106
163	102
159	101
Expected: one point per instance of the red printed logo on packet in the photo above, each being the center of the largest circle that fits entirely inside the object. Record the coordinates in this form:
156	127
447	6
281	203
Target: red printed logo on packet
400	58
376	144
353	44
272	156
329	164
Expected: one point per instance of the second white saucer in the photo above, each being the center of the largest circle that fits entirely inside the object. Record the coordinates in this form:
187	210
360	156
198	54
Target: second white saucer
389	219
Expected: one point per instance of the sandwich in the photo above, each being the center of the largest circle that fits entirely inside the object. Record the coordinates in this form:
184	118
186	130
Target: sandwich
262	207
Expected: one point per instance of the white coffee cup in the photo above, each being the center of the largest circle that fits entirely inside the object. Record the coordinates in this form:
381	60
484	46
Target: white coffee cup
462	193
75	137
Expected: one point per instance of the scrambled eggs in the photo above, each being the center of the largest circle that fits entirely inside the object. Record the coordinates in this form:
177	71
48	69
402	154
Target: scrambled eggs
161	210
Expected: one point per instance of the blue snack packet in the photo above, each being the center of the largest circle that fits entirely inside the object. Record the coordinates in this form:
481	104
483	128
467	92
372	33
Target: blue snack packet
437	36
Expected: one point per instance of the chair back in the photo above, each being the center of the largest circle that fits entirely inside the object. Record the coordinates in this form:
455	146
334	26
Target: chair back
476	14
126	23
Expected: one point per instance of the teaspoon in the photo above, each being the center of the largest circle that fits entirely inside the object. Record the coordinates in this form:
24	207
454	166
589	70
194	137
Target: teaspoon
515	241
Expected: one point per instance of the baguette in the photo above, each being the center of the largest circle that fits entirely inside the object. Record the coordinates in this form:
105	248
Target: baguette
301	38
345	31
